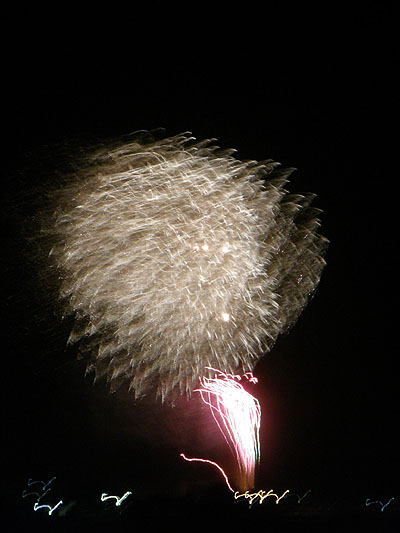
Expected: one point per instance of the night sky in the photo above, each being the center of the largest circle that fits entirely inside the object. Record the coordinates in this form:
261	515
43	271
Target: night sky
318	96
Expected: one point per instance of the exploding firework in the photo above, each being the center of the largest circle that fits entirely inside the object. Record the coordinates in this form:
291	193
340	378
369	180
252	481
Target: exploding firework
238	416
174	256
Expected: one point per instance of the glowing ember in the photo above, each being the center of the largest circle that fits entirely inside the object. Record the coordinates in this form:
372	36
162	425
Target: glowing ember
237	414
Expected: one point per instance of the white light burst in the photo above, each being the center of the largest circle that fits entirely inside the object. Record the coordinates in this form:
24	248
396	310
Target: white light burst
175	256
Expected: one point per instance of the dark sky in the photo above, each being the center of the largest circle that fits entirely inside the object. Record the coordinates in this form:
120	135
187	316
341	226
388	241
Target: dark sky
317	96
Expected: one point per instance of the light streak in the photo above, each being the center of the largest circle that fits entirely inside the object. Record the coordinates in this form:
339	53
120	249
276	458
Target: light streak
211	463
39	497
261	495
25	494
118	502
238	415
36	507
369	502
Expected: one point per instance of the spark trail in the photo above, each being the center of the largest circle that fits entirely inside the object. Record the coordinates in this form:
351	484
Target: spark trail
211	463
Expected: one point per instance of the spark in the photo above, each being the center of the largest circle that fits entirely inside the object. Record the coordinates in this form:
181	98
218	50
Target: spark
237	414
36	507
118	502
226	248
211	463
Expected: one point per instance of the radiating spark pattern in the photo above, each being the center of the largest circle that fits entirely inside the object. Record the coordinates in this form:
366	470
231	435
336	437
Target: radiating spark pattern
238	416
173	255
118	501
211	463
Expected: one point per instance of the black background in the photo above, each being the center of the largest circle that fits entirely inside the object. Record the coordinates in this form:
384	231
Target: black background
311	89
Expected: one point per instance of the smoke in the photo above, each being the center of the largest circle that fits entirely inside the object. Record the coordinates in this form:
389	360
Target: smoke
174	256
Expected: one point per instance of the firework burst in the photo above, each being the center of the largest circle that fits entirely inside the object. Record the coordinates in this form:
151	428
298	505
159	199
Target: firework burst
173	255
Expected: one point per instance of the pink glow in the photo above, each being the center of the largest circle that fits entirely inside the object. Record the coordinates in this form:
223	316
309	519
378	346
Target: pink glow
237	414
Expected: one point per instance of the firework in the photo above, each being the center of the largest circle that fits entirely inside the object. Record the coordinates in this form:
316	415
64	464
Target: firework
174	256
238	416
